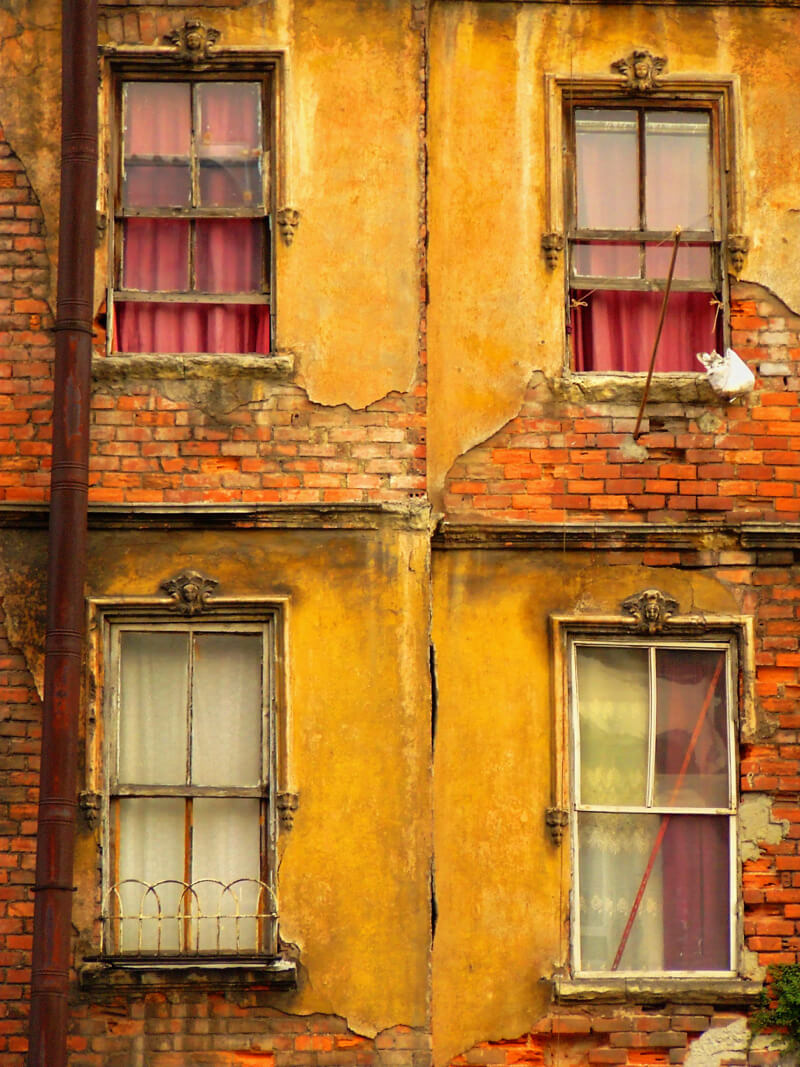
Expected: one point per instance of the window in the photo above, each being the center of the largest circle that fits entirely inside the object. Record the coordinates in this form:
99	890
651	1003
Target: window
189	790
636	174
191	240
653	805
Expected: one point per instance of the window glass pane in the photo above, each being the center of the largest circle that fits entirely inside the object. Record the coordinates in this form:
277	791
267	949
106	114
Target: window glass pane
613	705
227	709
692	261
604	259
683	919
615	330
691	729
155	254
696	893
226	850
677	172
150	851
607	169
229	143
614	851
153	697
157	142
157	327
230	255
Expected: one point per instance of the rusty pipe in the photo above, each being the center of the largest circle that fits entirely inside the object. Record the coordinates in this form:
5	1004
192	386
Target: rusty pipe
69	486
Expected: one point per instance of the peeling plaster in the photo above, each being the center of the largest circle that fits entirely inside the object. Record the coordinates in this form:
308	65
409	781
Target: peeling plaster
717	1045
757	827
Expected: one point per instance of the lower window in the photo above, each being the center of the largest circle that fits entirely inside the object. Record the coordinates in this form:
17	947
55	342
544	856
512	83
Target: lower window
189	797
654	806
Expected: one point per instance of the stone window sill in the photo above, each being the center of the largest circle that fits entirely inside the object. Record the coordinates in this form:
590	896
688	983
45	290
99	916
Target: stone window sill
128	974
182	365
717	991
616	387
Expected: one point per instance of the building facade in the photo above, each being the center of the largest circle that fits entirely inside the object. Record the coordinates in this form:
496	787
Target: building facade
497	758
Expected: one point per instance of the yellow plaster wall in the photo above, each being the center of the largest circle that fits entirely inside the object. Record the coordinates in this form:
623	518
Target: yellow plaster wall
354	870
496	312
502	887
347	293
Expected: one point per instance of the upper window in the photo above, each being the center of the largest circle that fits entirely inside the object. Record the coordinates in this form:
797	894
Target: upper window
189	790
653	806
191	228
636	174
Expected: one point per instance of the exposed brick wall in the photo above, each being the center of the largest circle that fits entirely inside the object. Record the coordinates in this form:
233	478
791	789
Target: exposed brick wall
558	460
237	1029
26	340
20	740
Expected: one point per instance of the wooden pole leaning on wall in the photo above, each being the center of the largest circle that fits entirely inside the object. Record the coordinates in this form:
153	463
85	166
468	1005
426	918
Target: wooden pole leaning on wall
676	238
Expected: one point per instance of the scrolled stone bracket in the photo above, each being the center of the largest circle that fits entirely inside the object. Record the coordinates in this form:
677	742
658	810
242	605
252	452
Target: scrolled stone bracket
287	805
557	820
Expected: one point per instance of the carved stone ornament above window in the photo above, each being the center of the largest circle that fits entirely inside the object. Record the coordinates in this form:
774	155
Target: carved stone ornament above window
640	70
190	591
288	220
193	40
650	609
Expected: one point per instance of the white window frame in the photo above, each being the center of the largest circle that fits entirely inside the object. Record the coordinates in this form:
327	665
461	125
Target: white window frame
731	811
707	630
107	620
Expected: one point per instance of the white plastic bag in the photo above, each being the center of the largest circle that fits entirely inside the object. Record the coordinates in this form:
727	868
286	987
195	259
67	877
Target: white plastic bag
728	375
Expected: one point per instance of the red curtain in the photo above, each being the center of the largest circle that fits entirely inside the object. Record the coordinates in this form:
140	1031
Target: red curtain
695	850
228	253
616	330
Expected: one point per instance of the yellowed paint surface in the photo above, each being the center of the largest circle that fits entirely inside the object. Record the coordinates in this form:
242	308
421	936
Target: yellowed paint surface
502	886
496	311
353	883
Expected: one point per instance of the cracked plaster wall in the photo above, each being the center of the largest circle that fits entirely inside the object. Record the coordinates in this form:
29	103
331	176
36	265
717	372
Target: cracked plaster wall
496	313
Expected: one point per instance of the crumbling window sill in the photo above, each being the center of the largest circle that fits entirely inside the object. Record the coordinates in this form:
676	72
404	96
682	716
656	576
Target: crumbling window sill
183	365
617	387
130	974
718	991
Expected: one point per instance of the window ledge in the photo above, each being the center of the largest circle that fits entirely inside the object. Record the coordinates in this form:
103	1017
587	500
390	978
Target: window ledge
181	365
145	973
617	387
727	991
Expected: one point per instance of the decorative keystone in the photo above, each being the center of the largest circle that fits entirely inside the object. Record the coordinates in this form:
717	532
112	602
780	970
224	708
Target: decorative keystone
189	591
640	70
552	246
287	806
557	820
650	609
193	41
288	220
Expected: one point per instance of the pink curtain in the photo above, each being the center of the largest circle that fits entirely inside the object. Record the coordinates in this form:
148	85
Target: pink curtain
695	850
616	330
228	253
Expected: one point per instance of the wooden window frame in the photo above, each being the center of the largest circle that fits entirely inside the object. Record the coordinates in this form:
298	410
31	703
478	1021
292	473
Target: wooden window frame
717	96
138	65
735	633
109	618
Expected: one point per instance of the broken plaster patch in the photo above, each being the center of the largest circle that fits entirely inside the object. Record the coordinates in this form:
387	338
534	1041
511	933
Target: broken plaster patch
716	1046
758	826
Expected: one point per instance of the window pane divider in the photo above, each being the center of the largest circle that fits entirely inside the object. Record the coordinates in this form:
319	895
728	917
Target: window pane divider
156	297
637	236
179	213
642	285
154	791
612	809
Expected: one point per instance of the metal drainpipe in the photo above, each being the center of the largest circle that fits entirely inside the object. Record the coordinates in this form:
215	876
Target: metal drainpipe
69	483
